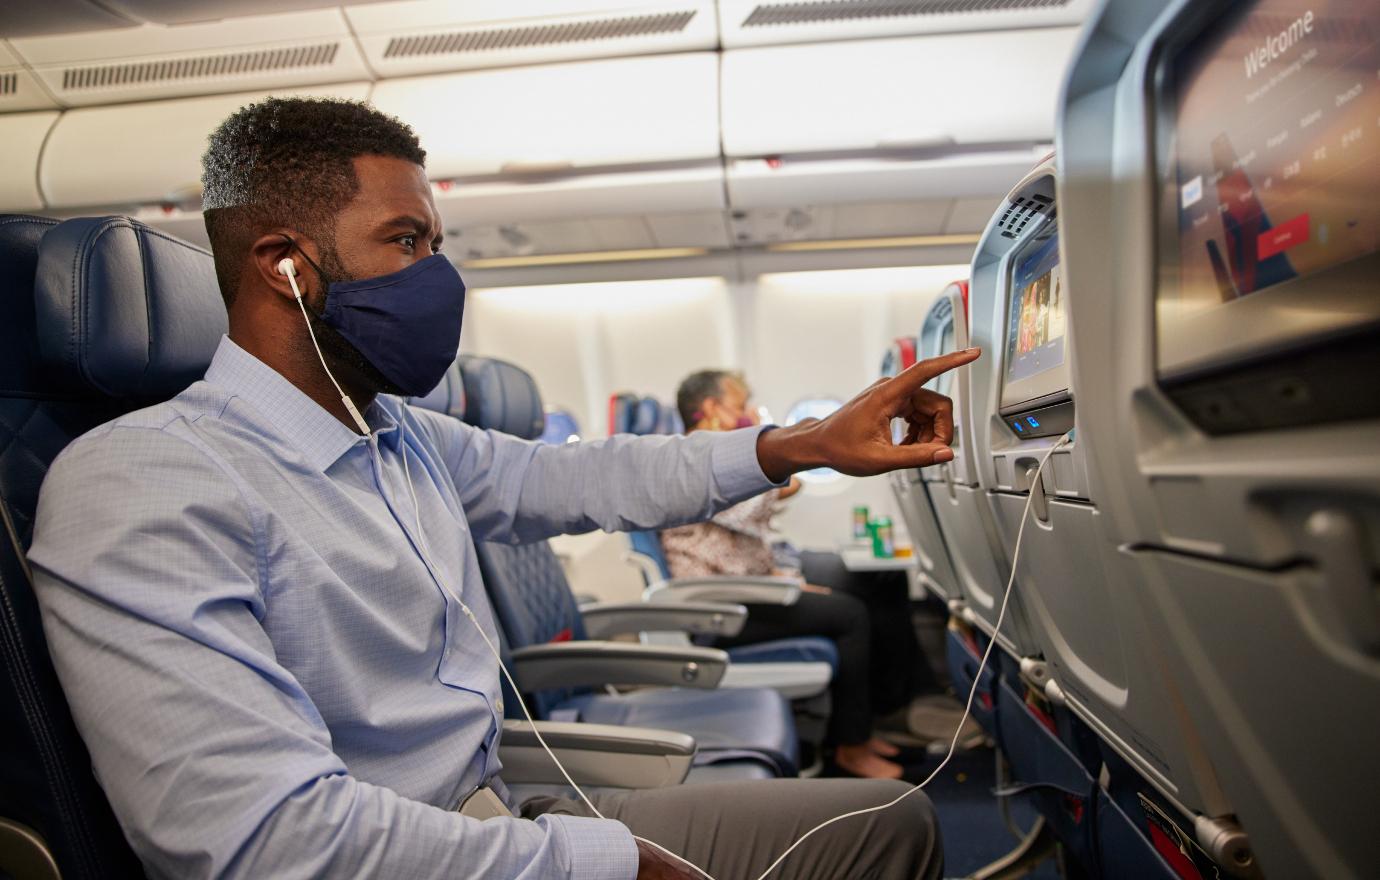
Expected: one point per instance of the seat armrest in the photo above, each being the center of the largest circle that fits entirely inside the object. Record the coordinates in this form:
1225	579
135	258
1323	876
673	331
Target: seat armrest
595	754
593	664
696	618
743	590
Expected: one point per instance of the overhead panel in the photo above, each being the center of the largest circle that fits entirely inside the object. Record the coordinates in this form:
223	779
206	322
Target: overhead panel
19	89
428	36
137	154
22	134
902	94
150	62
767	22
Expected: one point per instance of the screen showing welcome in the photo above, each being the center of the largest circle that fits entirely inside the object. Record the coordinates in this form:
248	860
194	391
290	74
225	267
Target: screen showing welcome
1035	337
1276	147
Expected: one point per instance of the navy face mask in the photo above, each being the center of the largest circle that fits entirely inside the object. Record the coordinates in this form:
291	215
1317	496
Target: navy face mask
406	324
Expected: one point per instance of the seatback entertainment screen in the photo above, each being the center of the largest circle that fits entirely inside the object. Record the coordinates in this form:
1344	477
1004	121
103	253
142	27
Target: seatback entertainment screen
1035	332
1270	138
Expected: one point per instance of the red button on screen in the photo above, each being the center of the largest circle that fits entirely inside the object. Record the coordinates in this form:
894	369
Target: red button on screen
1282	237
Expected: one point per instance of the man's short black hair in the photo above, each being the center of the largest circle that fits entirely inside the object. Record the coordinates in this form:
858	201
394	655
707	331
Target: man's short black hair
289	162
699	387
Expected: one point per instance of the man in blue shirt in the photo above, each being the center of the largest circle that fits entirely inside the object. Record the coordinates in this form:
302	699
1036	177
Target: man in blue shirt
258	595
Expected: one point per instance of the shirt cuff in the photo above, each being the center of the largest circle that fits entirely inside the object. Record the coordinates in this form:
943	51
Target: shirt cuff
737	469
600	849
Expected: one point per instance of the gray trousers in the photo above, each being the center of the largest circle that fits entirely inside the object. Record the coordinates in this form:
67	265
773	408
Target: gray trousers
734	830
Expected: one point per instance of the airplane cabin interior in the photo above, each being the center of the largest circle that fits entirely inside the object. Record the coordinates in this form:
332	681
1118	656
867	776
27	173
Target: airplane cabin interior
1121	623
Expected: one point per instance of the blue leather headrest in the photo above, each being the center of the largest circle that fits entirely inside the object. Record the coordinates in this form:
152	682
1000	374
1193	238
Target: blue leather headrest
501	397
124	310
447	398
645	416
19	238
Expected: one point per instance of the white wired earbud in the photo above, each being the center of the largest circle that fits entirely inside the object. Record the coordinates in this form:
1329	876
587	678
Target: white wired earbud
287	267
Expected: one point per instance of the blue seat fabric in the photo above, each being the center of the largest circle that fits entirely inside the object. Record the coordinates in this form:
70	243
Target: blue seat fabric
97	317
534	606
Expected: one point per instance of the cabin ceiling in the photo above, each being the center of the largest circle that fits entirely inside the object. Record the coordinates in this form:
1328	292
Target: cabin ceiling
647	126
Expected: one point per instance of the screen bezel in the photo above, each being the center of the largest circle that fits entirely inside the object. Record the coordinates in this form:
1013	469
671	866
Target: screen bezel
1340	298
1049	385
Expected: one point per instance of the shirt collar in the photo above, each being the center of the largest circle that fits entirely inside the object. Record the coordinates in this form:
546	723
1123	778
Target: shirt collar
320	436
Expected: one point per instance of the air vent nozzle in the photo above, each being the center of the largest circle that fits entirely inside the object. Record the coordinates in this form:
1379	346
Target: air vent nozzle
1020	211
526	37
142	73
822	11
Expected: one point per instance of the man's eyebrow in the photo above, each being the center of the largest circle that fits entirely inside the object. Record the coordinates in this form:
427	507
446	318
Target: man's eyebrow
407	222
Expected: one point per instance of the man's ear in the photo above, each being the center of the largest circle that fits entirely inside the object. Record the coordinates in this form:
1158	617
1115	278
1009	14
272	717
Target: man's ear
267	254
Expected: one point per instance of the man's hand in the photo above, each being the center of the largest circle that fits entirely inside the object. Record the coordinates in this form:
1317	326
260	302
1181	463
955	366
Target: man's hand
653	864
856	439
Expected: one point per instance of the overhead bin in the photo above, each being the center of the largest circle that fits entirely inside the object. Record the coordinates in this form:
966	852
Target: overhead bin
557	119
141	153
915	93
762	183
771	22
150	62
22	134
430	36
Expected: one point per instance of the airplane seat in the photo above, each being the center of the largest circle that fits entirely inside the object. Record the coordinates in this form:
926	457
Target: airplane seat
963	648
537	613
670	421
621	408
448	397
1088	655
935	570
561	425
1244	482
1046	770
799	649
99	316
646	415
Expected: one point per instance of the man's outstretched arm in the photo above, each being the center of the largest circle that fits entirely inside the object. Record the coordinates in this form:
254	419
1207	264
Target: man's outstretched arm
515	490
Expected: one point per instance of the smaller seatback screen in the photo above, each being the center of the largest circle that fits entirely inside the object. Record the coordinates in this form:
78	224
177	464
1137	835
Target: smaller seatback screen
1035	335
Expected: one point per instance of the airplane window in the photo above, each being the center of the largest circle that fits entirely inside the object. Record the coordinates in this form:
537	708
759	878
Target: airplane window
814	408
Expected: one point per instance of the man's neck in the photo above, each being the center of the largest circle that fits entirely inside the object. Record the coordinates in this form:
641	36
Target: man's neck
303	369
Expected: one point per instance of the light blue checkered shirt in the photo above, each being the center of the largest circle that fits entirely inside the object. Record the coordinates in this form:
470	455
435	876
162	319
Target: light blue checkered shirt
271	680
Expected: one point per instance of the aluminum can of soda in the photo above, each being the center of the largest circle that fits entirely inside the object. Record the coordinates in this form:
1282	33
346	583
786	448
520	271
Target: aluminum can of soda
860	521
883	541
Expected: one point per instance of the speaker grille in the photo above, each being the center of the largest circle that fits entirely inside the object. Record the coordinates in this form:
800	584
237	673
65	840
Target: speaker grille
9	83
458	42
201	67
856	10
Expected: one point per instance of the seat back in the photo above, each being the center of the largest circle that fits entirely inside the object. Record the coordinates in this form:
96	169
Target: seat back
561	425
448	397
648	544
621	408
525	583
646	416
97	317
